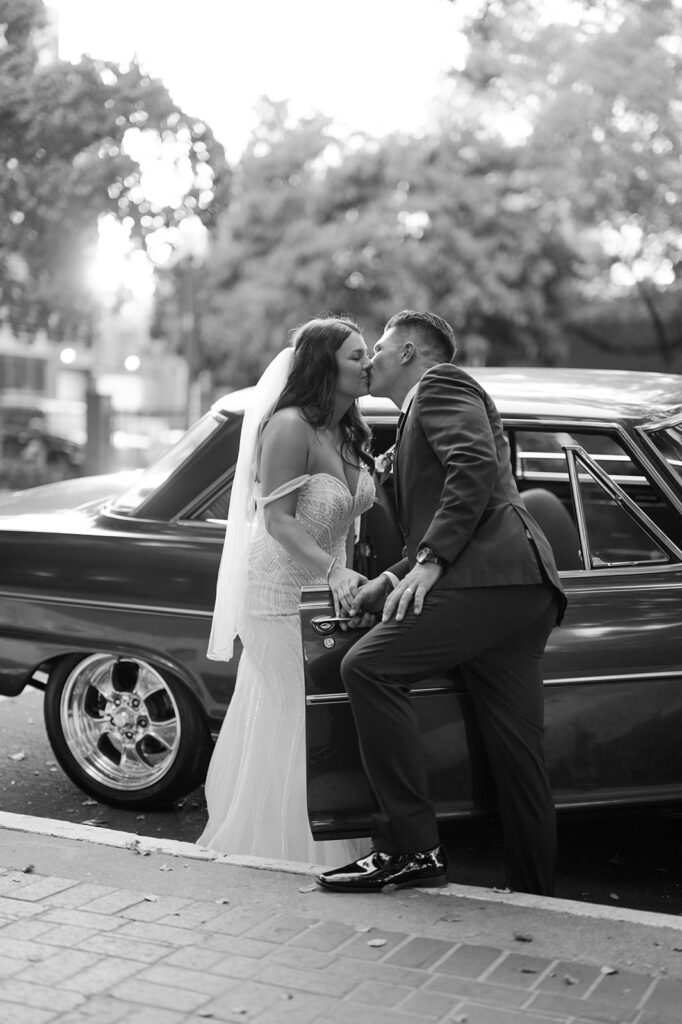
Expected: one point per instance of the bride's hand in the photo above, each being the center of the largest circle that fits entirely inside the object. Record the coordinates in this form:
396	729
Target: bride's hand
344	584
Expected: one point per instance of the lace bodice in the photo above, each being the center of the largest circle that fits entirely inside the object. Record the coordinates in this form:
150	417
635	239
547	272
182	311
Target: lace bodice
326	509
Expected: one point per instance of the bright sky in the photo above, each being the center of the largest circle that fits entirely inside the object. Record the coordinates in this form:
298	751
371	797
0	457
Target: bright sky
372	65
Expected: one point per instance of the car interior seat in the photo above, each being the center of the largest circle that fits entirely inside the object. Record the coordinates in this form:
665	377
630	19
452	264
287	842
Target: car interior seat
557	524
382	532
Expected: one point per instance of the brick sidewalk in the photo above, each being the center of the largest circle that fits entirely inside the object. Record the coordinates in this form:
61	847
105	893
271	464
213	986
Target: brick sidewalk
73	952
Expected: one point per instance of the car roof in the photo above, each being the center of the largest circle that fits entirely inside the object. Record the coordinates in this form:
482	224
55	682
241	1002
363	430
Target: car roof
632	396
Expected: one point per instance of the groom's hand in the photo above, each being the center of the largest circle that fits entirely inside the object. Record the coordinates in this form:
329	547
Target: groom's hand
411	590
369	598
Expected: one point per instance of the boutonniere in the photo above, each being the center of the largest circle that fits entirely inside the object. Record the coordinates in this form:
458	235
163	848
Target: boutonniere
383	464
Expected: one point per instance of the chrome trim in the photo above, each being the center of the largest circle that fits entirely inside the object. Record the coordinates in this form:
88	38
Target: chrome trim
670	421
107	605
627	677
597	574
577	498
576	452
517	420
339	698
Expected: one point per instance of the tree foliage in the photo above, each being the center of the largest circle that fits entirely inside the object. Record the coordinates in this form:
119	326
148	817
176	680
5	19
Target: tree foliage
594	96
73	143
547	193
367	227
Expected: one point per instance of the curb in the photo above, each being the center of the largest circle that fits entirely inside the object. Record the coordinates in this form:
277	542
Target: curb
176	848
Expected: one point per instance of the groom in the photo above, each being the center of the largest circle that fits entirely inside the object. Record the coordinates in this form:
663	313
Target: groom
478	589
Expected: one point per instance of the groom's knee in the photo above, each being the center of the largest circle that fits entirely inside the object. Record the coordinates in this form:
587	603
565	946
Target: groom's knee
356	670
349	669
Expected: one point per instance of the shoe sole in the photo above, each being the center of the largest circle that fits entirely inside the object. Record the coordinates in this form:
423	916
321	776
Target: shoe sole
426	883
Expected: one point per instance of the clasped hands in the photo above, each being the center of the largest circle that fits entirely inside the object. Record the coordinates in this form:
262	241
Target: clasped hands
363	600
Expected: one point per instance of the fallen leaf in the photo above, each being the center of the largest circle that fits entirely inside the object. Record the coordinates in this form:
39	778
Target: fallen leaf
523	937
165	867
223	899
377	942
528	970
136	848
308	888
238	1009
140	817
29	869
614	896
607	970
19	756
570	980
497	889
94	821
89	803
362	928
150	898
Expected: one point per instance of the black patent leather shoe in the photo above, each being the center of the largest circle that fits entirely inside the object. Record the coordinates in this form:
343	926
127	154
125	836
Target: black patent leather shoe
379	871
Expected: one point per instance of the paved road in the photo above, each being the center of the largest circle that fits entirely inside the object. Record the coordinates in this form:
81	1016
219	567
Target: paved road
625	859
35	784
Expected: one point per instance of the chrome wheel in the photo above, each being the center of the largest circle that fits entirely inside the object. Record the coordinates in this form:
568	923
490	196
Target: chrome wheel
120	721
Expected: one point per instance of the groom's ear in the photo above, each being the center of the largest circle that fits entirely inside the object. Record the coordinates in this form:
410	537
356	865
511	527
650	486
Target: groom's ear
407	352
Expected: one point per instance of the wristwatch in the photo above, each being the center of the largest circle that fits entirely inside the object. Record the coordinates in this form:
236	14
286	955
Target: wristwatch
425	554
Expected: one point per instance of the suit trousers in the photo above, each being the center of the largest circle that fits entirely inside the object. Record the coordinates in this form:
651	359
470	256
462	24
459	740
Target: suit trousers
497	637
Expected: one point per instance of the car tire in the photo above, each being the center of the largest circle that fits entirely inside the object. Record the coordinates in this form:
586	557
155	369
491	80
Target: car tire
126	732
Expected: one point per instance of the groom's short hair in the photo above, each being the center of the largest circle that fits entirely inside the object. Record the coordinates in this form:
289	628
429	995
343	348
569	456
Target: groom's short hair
435	334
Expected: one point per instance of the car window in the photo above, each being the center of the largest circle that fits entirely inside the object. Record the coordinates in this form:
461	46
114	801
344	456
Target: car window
159	472
214	506
615	536
539	455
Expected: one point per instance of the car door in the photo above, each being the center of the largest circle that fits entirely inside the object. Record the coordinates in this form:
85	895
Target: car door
612	671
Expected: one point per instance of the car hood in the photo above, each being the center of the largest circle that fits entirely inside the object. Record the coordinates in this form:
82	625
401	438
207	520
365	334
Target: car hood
83	494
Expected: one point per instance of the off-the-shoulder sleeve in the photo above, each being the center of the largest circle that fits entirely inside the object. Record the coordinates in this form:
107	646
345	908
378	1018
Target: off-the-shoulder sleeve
287	488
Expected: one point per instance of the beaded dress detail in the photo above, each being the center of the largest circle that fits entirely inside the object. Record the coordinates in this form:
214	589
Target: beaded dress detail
256	782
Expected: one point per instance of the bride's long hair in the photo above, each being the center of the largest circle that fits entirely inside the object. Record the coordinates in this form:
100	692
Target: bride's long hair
314	374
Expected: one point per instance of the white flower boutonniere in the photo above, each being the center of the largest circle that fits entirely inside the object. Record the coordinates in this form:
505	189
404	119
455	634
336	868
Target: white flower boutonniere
383	464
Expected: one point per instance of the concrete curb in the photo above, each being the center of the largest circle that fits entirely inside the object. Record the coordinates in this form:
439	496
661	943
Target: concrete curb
174	848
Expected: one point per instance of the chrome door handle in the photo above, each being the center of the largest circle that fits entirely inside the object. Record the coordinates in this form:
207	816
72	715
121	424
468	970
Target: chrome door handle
326	624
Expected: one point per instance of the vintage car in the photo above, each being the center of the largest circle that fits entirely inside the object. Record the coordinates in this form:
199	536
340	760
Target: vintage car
105	604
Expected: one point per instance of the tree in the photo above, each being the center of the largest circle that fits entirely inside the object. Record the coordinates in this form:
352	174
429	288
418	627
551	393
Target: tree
367	227
594	105
73	145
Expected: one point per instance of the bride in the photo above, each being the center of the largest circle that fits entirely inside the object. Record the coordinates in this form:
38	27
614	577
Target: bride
301	481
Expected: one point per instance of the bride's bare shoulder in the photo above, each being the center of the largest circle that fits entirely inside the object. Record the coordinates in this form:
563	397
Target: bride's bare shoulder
285	429
291	420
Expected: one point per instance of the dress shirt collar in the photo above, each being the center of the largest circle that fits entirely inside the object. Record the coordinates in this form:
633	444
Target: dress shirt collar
407	401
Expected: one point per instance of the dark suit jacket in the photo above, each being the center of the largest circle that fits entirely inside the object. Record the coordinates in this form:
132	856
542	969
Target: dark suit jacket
455	490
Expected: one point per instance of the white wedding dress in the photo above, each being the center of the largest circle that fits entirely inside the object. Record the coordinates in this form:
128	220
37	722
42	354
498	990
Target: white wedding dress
256	782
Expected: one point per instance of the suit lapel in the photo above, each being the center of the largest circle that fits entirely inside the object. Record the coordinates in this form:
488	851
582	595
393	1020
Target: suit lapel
396	457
